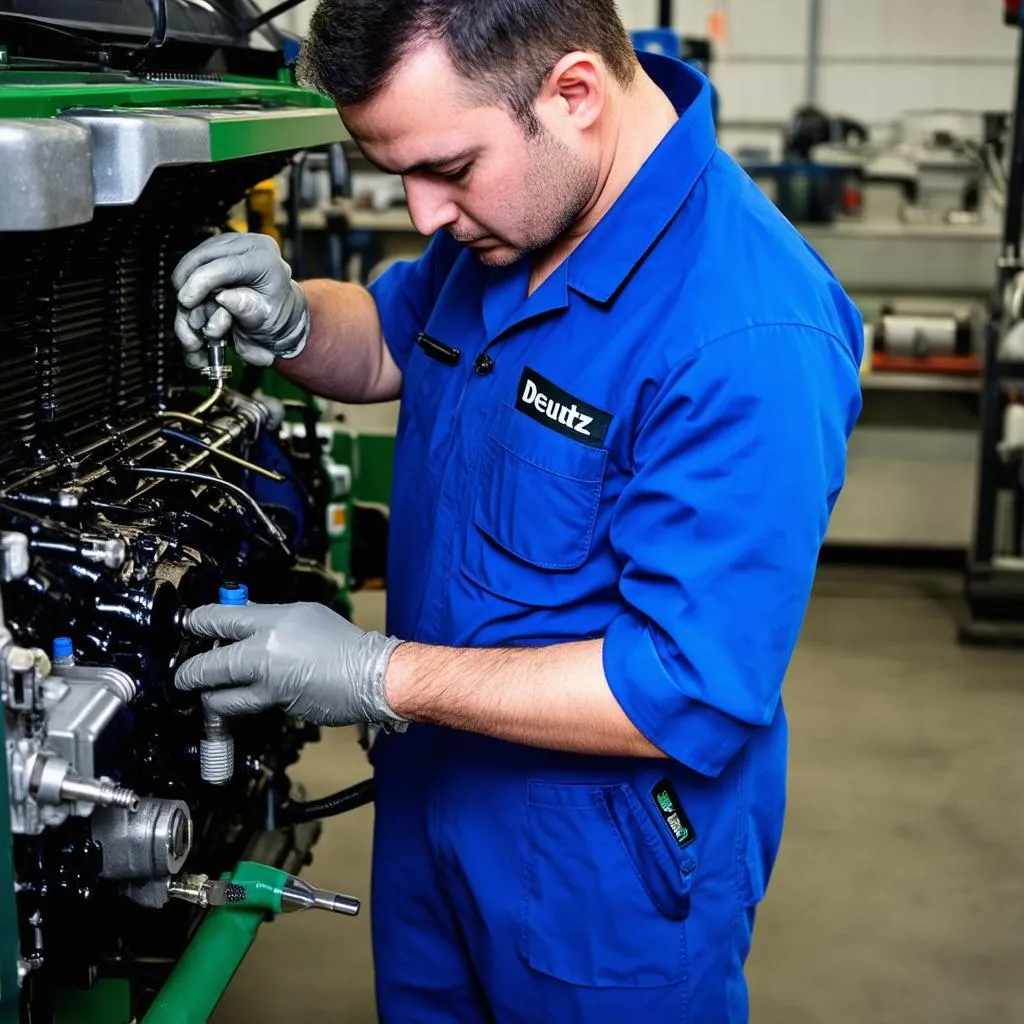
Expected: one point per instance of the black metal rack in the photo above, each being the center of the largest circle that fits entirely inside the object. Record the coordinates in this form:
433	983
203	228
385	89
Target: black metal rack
995	581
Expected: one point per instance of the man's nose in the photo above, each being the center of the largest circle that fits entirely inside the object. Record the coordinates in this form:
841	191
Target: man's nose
430	205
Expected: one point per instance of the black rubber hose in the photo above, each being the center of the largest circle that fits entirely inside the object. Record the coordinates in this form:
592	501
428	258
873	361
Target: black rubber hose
330	806
159	36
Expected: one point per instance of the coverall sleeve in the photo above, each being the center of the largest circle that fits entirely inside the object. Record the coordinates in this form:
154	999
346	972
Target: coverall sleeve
737	463
406	292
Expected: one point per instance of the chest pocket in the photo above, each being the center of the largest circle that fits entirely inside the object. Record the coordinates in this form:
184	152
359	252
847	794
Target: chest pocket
535	511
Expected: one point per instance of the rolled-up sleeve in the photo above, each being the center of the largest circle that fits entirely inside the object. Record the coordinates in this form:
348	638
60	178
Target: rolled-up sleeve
737	463
406	292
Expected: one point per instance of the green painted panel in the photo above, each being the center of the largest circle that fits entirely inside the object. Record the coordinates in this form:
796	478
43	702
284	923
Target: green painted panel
292	118
46	94
375	463
109	1001
235	135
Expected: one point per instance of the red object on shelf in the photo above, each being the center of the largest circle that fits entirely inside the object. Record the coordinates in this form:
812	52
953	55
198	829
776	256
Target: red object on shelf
1011	11
968	366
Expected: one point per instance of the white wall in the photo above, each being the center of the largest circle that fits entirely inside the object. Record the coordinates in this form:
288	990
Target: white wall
879	57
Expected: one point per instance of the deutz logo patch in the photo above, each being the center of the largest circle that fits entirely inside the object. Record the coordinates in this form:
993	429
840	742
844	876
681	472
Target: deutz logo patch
665	799
548	404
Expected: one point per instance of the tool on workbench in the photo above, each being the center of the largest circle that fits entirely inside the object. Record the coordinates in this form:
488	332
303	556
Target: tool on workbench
260	886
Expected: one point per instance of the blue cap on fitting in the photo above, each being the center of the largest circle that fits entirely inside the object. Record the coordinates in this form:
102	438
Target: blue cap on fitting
63	647
234	593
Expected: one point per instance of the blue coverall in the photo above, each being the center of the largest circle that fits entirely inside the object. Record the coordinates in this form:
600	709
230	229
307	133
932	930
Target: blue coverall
647	449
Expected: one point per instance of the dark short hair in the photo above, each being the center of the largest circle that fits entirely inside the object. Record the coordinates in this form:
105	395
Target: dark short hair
507	47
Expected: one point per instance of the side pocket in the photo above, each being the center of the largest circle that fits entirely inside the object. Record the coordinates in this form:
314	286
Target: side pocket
665	871
596	892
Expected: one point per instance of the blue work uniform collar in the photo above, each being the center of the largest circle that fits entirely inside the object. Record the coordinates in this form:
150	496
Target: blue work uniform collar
639	217
608	255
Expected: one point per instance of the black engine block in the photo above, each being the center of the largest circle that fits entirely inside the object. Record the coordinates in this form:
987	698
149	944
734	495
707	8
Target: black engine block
130	494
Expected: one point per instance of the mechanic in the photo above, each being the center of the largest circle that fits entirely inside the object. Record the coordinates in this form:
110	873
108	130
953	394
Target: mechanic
627	387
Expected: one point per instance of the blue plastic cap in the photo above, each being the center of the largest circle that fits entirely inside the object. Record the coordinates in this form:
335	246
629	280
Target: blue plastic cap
234	593
63	647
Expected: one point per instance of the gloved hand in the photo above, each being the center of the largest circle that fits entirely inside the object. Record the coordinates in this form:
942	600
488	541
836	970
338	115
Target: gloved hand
240	281
304	658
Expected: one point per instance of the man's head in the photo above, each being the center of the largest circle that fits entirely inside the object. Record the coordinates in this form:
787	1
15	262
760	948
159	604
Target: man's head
494	111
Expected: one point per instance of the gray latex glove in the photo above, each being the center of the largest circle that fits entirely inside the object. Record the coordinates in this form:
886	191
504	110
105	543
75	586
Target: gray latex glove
239	281
304	658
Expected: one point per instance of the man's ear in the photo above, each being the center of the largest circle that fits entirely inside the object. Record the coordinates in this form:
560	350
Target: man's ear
576	89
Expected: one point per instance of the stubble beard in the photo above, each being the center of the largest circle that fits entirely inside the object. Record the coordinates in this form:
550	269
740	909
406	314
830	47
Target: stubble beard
563	185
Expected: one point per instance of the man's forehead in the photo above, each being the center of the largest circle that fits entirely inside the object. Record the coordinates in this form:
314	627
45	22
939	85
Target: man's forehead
424	87
420	119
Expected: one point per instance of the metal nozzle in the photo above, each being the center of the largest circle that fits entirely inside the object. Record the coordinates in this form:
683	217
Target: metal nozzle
218	371
298	894
263	888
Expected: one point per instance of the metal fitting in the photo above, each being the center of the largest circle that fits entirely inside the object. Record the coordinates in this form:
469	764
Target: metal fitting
191	889
110	552
52	781
216	751
22	671
14	549
102	792
153	842
113	680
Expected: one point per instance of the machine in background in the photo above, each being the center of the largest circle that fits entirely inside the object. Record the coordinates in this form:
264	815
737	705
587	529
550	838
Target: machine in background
130	491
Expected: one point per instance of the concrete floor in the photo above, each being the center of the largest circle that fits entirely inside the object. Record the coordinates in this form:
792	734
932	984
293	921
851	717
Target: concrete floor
899	893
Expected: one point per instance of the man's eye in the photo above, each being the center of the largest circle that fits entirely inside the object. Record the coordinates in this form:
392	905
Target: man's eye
457	175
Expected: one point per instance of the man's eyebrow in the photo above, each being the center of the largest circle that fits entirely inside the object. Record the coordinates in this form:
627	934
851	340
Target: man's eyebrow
424	166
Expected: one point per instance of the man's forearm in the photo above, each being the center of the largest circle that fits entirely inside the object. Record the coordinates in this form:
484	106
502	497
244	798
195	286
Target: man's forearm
551	697
345	358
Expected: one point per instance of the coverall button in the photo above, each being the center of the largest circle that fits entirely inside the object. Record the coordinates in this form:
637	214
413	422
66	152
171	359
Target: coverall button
483	365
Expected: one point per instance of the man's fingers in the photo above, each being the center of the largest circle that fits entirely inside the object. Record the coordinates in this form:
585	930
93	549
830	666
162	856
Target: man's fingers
230	622
238	701
197	360
200	316
190	339
251	353
246	305
219	324
226	272
227	244
223	666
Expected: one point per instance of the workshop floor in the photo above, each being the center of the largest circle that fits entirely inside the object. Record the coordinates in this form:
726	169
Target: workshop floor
899	893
